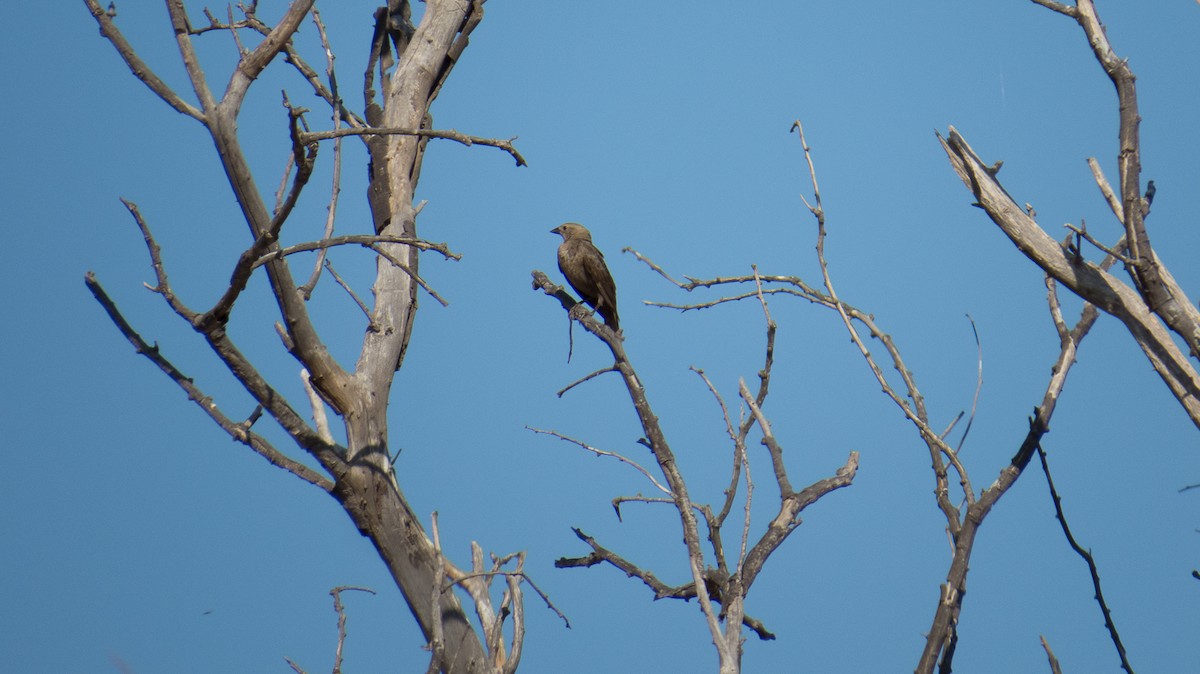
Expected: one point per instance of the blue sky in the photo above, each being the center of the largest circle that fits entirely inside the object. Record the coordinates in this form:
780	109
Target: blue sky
136	534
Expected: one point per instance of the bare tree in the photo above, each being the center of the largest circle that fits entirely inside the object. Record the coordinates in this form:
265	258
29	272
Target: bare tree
1152	306
961	524
406	67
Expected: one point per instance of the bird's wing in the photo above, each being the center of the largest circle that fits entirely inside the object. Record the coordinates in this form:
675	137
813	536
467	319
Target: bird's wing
599	277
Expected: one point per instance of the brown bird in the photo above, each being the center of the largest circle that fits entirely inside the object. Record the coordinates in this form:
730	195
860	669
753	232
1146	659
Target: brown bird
583	265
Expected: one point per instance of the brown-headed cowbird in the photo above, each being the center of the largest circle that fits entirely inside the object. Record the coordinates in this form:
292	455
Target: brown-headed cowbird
583	265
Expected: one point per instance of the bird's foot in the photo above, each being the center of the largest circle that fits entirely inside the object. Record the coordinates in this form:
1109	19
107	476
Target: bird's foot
580	311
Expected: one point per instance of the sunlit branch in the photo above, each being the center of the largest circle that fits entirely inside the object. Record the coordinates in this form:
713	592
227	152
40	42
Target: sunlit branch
465	139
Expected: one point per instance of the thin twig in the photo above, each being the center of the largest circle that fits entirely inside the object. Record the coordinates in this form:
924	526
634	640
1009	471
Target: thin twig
601	452
739	455
602	555
341	612
978	385
746	509
413	275
364	240
336	187
524	577
1082	231
769	441
1056	315
288	165
237	39
577	382
1091	563
618	501
916	413
137	66
310	75
816	210
1114	202
1055	668
653	266
350	291
953	422
715	522
1058	7
720	401
320	420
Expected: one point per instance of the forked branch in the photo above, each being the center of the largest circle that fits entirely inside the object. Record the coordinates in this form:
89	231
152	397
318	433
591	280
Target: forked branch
656	440
1154	304
727	584
238	431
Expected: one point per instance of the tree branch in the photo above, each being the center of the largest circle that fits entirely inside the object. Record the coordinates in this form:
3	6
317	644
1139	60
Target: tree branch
465	139
916	413
139	68
251	65
238	431
1055	668
661	590
600	452
788	518
191	63
657	442
341	612
944	631
1089	559
364	240
1085	279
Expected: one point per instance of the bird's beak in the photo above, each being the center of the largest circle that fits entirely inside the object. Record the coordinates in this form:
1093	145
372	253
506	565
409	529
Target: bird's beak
556	230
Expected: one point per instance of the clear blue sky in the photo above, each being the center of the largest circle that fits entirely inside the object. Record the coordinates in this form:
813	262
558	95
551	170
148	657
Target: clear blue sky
136	534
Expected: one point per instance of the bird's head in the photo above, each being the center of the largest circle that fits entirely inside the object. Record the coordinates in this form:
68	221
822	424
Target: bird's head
572	230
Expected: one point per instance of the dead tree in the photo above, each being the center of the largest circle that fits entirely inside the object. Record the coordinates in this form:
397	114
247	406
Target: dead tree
1152	306
408	64
962	523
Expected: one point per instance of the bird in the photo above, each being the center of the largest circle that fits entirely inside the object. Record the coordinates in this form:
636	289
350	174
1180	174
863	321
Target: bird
583	265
